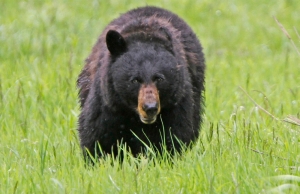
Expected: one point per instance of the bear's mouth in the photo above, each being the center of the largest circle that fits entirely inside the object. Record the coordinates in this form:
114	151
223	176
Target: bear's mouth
148	120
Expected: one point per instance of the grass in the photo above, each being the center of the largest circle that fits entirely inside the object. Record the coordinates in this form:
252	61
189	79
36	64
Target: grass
241	150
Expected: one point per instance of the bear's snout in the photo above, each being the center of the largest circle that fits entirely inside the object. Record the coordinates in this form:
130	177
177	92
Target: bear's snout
150	108
148	103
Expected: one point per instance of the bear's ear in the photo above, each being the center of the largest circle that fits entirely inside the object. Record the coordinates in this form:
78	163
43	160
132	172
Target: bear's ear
115	42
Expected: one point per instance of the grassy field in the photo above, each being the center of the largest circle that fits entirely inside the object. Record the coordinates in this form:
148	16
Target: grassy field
241	150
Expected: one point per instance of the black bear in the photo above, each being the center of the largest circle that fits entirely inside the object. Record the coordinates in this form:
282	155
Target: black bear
142	85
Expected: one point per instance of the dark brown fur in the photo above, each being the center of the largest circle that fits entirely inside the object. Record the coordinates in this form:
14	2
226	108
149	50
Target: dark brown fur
100	53
98	99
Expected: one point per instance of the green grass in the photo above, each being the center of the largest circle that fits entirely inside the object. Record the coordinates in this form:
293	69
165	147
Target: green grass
241	150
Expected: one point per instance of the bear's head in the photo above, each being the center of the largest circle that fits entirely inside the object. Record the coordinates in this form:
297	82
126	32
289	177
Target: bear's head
145	74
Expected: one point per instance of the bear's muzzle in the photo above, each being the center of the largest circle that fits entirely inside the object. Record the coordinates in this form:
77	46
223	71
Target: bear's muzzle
148	103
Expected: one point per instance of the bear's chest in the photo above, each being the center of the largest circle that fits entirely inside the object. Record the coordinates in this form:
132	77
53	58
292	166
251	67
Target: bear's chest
132	133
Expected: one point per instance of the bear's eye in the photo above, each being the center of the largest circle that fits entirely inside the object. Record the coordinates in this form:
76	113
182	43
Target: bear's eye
136	80
159	78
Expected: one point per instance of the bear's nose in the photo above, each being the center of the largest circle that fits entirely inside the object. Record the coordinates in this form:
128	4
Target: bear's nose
150	108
